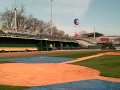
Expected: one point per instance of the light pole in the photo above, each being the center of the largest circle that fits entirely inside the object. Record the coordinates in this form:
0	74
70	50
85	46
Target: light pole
94	35
15	10
51	16
15	15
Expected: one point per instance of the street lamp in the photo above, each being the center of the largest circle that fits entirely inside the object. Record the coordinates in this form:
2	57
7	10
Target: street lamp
51	16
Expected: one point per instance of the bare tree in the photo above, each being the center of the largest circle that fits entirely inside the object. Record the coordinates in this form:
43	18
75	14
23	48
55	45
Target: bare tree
48	28
7	18
61	33
55	31
41	27
21	19
28	24
82	33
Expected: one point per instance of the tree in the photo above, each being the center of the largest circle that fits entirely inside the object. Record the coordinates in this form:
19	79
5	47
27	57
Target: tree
48	29
27	24
82	33
55	31
61	33
21	19
42	27
8	19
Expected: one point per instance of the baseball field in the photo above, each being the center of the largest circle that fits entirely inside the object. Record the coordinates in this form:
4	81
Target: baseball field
15	74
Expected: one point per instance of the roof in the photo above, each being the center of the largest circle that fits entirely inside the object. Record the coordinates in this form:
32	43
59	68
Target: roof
92	34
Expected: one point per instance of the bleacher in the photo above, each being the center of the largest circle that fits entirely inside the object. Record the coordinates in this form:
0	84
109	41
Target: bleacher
88	40
19	49
84	44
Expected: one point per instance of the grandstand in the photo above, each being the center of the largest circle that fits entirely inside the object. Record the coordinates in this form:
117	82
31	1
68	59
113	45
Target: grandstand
114	40
88	40
99	41
84	43
12	42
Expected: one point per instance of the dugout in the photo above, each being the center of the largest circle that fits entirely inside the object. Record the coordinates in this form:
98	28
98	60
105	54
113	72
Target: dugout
8	44
12	42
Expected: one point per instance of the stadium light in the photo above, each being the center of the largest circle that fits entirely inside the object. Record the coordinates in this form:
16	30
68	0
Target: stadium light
15	10
51	16
94	36
15	15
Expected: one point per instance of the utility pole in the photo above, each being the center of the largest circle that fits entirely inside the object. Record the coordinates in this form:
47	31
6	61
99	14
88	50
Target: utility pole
94	35
51	16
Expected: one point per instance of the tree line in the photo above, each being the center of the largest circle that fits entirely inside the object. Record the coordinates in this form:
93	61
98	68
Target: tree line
27	23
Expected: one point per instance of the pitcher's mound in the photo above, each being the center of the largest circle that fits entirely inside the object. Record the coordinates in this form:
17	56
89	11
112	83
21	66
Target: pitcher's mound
19	74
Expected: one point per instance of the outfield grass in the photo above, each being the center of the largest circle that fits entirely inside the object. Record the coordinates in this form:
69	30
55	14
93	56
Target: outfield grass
69	55
4	87
109	66
78	54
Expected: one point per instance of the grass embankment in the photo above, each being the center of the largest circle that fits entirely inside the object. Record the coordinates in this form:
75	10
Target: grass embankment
109	66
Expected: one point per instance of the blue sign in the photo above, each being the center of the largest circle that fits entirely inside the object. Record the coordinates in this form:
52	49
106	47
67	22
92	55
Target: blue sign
76	21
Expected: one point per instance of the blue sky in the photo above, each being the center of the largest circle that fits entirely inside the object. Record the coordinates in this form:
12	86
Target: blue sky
103	14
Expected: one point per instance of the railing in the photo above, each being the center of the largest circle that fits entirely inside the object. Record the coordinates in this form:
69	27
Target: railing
36	37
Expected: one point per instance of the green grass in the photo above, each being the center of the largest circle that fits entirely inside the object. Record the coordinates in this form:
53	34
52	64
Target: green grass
67	55
109	66
78	54
75	55
4	87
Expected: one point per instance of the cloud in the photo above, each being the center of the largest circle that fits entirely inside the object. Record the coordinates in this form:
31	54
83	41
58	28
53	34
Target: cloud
63	5
71	8
65	11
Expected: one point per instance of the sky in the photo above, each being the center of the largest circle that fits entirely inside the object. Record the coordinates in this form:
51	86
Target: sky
104	15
